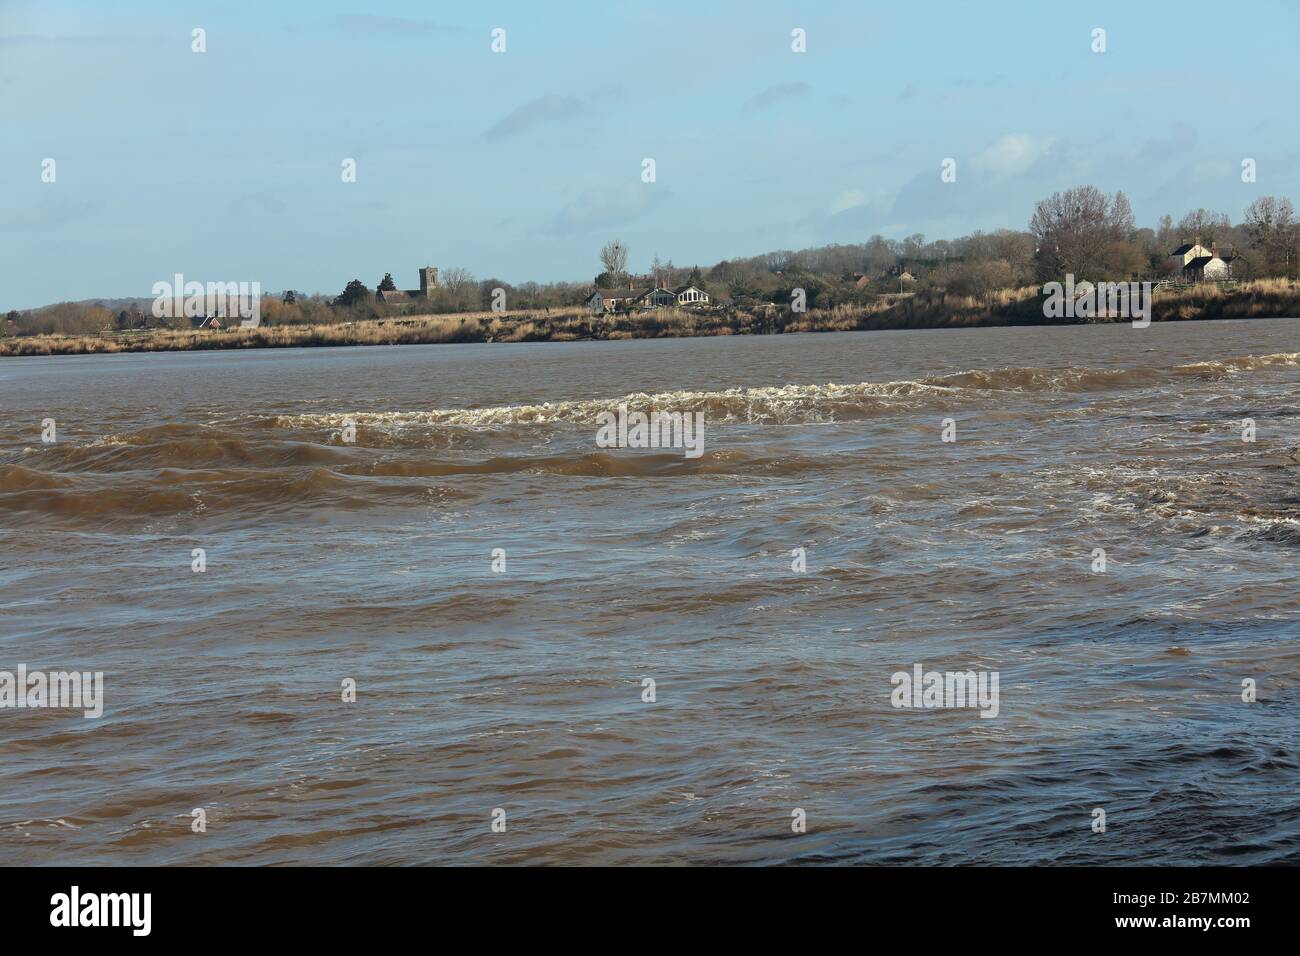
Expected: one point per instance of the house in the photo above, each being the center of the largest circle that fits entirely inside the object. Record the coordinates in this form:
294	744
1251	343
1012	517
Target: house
658	297
1197	264
1185	253
1213	266
690	295
610	300
428	283
645	296
653	296
205	322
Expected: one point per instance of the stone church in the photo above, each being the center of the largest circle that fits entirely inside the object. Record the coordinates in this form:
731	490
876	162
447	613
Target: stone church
428	282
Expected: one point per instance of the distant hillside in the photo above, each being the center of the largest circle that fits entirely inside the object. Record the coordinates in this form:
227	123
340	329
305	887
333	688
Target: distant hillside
114	305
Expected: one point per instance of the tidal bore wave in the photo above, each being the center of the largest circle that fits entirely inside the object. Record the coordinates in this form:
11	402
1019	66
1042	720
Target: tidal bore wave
810	404
255	463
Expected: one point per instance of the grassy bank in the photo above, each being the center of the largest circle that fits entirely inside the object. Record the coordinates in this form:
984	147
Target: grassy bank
1265	298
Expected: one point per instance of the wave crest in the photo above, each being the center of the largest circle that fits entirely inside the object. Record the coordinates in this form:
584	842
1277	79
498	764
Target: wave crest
799	404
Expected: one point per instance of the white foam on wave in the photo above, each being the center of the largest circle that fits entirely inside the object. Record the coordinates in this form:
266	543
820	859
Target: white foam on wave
798	404
779	404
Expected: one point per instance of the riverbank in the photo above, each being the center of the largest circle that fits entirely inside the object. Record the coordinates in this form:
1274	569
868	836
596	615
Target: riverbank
1265	298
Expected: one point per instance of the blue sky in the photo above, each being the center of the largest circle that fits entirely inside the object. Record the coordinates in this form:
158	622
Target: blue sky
225	166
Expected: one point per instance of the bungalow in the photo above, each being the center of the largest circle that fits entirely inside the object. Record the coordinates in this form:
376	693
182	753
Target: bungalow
610	300
646	296
658	297
653	296
1197	264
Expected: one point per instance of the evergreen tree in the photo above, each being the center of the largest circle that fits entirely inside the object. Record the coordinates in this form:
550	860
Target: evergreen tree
355	293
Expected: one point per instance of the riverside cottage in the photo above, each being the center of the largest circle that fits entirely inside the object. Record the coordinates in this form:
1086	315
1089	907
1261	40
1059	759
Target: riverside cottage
1194	263
648	297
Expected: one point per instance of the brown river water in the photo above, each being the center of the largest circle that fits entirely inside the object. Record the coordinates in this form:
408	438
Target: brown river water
522	689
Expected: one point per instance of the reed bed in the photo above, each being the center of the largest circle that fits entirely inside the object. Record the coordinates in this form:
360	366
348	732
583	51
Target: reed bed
1263	298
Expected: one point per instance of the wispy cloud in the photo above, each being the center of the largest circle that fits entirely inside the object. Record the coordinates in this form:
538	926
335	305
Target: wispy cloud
1012	154
775	94
551	108
849	199
988	188
605	208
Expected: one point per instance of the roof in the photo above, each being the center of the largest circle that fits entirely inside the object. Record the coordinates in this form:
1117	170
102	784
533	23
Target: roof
683	288
1185	248
622	293
1200	261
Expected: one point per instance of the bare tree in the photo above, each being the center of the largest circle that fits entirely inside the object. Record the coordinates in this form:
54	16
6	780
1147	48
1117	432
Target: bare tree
1204	226
458	291
1083	232
1272	228
613	256
455	279
778	261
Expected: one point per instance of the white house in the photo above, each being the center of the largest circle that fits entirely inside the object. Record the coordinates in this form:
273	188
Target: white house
1209	267
1188	251
1197	263
690	295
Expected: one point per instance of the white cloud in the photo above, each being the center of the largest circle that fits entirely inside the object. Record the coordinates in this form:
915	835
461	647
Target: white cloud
849	199
1012	154
605	208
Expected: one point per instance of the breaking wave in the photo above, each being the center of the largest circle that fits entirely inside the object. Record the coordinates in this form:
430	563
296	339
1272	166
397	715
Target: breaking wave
804	404
259	463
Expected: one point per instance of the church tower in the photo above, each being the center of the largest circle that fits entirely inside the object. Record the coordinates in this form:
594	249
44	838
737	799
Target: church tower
428	281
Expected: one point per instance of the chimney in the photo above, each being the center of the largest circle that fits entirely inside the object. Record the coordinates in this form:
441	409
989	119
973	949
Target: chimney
1214	248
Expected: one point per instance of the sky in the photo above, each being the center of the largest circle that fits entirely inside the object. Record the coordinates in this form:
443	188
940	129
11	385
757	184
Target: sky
227	165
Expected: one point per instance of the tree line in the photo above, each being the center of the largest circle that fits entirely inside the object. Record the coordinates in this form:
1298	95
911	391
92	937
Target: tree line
1081	231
